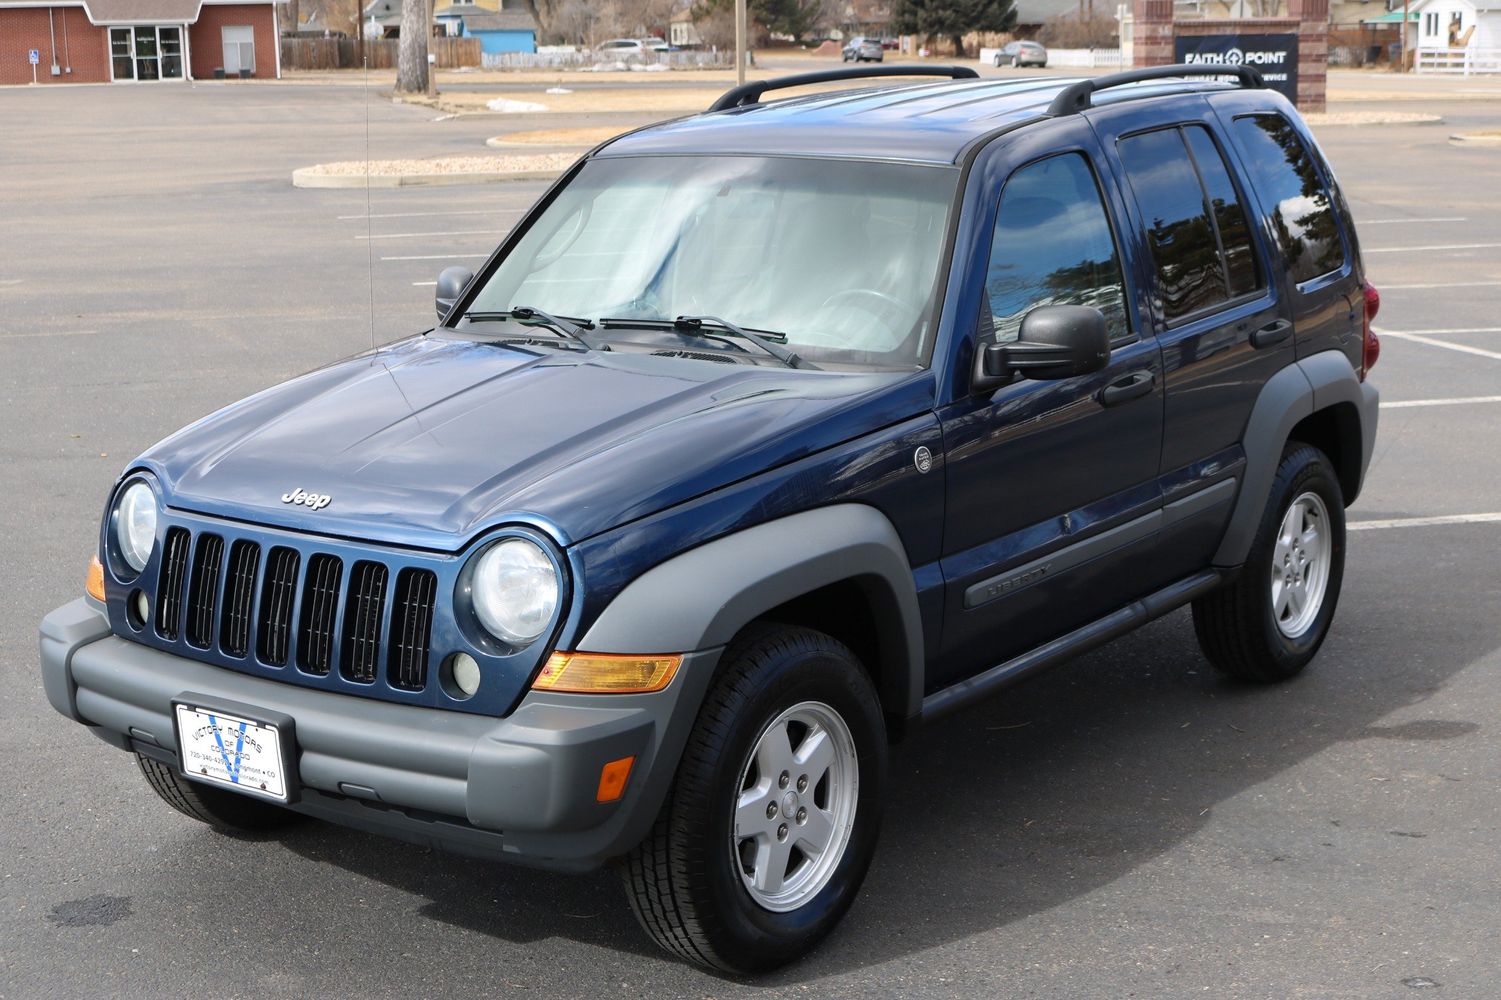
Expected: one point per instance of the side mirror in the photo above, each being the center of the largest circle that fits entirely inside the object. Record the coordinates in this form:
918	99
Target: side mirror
451	284
1054	342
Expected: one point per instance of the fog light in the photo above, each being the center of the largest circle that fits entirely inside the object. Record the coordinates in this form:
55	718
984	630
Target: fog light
138	609
464	670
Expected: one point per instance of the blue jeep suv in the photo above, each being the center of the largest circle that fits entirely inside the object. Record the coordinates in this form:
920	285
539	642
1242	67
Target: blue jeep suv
769	434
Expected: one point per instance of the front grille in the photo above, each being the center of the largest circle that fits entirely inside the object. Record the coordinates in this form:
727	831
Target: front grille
239	597
274	626
320	610
264	604
411	628
362	621
203	593
174	568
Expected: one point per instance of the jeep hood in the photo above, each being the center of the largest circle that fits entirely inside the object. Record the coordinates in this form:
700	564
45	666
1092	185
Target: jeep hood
431	440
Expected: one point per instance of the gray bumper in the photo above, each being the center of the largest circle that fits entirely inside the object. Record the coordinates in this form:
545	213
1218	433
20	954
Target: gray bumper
522	787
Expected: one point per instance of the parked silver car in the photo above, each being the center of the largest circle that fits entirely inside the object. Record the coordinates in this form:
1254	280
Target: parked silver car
860	49
1022	54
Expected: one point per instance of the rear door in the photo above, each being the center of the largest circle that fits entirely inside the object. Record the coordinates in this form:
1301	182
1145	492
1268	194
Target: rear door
1052	494
1217	309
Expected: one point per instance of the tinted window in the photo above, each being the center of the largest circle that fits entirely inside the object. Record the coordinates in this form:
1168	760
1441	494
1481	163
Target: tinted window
1185	250
1053	246
1229	216
1290	186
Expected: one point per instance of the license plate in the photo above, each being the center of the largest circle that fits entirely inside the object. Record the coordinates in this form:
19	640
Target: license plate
221	748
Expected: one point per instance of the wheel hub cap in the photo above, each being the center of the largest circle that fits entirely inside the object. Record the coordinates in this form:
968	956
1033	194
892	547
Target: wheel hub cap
796	806
1300	565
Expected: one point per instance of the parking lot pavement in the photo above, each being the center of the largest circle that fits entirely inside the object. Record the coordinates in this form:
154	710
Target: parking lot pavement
1129	825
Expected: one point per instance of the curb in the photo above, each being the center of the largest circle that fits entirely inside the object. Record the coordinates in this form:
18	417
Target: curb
304	177
498	142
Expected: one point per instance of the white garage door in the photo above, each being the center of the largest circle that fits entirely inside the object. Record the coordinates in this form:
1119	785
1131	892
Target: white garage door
239	49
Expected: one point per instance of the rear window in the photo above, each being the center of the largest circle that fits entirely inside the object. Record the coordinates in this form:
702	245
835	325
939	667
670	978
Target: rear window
1294	193
1195	225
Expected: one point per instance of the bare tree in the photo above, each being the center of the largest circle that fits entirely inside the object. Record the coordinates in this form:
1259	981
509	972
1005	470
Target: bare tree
411	56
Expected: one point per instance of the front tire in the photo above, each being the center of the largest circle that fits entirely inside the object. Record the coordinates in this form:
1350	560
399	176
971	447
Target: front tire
1268	623
772	819
225	811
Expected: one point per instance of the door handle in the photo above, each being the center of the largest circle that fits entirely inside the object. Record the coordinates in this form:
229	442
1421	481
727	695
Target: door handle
1132	386
1272	333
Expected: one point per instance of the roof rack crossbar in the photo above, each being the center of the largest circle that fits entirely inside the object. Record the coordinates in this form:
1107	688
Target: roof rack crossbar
750	93
1077	97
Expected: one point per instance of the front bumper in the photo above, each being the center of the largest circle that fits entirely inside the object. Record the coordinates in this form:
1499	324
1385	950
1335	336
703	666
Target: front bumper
522	787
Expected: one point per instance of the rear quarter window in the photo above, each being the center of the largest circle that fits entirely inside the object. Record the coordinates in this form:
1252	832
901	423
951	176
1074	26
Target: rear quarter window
1300	211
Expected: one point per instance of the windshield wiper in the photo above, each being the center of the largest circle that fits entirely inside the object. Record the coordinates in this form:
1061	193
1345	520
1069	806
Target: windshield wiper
569	327
693	326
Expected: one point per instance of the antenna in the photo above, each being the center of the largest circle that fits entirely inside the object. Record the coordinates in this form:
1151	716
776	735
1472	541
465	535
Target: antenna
369	224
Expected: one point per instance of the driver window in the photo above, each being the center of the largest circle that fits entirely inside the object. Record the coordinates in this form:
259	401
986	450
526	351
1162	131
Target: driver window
1053	246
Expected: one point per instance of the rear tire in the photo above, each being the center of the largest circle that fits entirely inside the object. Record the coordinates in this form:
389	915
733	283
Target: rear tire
225	811
758	852
1267	624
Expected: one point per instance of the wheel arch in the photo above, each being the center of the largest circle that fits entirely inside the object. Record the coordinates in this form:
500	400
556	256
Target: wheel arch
1318	400
845	560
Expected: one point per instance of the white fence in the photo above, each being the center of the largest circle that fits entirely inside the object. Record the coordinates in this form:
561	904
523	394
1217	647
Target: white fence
594	60
1463	62
1089	58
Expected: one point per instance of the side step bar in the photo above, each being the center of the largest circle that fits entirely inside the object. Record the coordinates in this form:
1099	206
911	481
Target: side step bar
1096	633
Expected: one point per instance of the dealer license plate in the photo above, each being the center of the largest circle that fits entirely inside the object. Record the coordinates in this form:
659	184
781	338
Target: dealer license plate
223	749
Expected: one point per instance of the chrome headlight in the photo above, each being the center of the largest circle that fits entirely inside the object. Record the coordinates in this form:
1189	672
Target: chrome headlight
135	524
515	590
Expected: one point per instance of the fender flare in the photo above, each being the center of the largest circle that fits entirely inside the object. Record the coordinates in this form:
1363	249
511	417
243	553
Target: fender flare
1296	392
703	597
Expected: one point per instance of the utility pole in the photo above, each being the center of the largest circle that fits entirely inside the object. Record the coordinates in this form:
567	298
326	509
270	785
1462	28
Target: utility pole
1404	35
359	32
739	42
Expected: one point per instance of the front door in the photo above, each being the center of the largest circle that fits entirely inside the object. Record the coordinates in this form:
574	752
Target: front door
1051	485
146	52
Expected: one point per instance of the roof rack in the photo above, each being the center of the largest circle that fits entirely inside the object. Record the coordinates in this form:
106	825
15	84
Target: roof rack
750	93
1076	97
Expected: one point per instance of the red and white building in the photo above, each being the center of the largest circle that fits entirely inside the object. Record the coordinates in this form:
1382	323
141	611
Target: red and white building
138	41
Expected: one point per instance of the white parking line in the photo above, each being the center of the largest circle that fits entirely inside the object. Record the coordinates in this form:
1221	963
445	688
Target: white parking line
1436	246
1457	401
1449	329
459	232
1384	288
1423	522
423	284
1392	222
440	256
1434	342
423	215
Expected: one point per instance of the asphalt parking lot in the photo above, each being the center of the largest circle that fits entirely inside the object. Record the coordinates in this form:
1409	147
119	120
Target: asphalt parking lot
1130	825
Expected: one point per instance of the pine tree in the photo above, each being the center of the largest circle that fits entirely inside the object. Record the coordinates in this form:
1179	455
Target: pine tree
954	18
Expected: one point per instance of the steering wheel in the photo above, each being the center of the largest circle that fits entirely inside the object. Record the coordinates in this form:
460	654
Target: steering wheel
883	308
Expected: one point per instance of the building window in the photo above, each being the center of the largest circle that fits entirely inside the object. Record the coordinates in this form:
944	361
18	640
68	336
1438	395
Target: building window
171	50
239	49
119	53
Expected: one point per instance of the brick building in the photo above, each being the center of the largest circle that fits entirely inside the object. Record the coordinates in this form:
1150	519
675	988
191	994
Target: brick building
138	41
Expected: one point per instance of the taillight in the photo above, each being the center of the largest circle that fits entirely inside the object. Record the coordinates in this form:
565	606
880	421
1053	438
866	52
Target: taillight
1370	345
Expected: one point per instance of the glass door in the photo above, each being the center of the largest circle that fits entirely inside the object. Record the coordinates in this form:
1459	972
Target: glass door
169	42
121	62
147	63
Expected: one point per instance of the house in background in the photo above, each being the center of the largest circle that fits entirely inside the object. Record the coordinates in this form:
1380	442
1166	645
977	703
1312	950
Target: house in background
682	32
499	25
1458	24
138	41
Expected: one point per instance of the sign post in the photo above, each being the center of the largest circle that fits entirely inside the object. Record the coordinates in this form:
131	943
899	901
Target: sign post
35	57
1275	56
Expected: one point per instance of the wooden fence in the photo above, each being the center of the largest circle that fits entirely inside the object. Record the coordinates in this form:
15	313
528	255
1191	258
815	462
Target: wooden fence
343	53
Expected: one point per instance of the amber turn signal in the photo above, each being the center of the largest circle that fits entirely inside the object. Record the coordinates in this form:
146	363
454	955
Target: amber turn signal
606	673
612	779
94	584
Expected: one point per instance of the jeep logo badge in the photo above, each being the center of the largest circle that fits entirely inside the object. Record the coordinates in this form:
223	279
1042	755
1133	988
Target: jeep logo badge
312	501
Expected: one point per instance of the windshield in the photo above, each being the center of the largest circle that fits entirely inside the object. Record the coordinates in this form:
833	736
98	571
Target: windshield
839	256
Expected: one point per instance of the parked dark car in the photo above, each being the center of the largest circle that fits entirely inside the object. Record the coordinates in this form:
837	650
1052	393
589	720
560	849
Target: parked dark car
766	437
859	49
1022	53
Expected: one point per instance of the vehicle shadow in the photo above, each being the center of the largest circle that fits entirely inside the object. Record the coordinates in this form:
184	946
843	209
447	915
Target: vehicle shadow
1050	791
